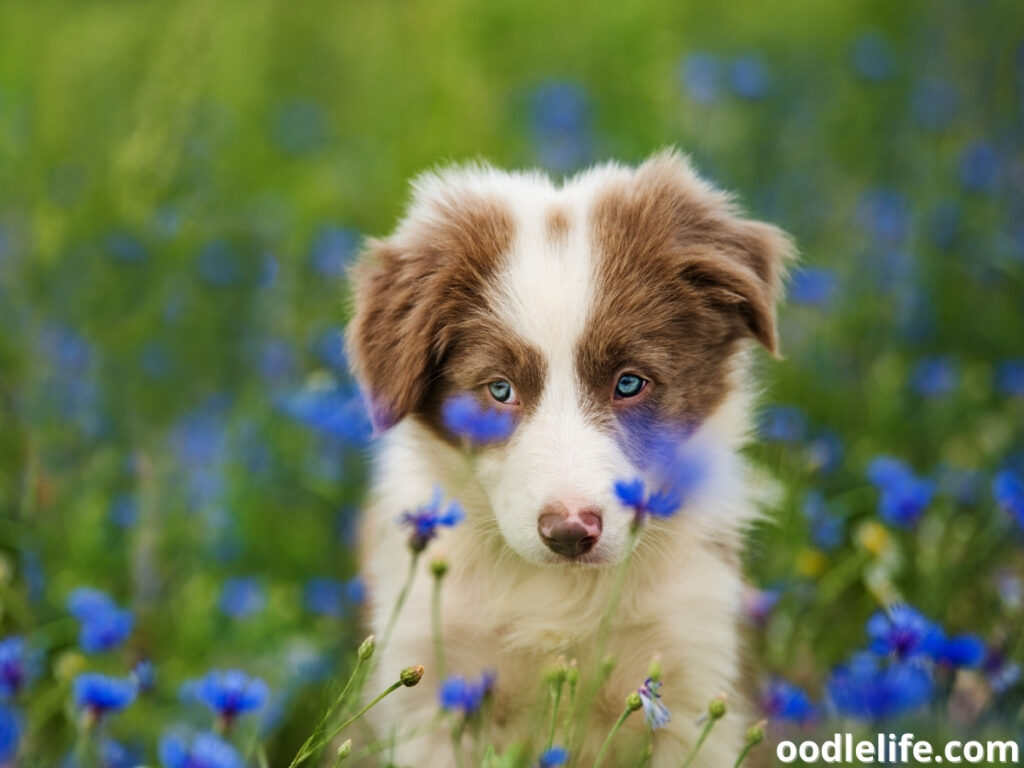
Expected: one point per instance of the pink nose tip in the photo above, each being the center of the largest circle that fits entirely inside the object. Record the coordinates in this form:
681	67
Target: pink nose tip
569	533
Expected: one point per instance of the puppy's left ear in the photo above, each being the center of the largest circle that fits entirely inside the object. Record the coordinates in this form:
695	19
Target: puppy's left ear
734	264
741	269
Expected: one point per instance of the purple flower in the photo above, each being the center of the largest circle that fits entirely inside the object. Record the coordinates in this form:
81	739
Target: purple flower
464	416
242	597
935	376
758	604
425	521
749	77
331	409
13	666
204	750
960	651
560	124
885	213
145	675
661	503
865	689
903	633
872	57
332	250
783	424
701	75
904	496
1010	377
784	701
826	529
655	712
815	286
325	596
10	733
554	757
100	695
1002	672
1008	489
102	625
460	694
979	167
229	693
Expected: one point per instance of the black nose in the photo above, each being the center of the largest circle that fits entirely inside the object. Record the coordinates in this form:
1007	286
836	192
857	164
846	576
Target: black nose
569	534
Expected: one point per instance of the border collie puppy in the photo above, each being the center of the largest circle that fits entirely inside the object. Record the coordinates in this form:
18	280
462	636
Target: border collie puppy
596	315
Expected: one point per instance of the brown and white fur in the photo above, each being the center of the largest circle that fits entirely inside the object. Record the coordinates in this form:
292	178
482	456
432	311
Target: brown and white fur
559	289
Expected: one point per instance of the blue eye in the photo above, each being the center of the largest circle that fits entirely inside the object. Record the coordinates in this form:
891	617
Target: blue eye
629	385
502	391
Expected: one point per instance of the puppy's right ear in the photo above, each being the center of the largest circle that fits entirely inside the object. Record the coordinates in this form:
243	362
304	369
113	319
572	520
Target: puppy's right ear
391	336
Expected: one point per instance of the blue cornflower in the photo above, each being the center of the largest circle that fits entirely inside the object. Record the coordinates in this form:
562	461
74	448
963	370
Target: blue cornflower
204	750
655	712
904	633
979	167
329	408
815	286
826	529
885	213
960	651
10	733
241	597
13	666
662	503
332	250
124	510
866	690
701	74
460	694
355	590
325	596
102	625
464	416
824	451
126	248
904	496
145	675
783	424
229	693
749	77
935	376
759	604
1008	488
560	124
425	521
1010	377
220	265
784	701
553	757
1002	672
99	694
872	57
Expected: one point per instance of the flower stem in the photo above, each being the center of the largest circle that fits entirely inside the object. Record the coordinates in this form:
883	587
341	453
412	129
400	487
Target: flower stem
436	620
400	601
743	755
457	730
700	741
390	689
611	735
557	699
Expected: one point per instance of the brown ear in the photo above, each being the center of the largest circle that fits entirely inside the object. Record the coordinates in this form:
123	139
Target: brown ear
736	263
743	271
391	336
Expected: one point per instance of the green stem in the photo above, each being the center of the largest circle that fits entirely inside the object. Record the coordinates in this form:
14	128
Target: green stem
436	619
399	602
390	689
457	730
743	754
557	699
700	741
611	735
307	747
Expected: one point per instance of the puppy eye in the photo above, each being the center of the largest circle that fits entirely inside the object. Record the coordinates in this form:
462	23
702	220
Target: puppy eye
629	385
502	391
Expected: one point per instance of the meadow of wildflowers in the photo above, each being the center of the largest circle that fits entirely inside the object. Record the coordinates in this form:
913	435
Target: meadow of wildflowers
182	450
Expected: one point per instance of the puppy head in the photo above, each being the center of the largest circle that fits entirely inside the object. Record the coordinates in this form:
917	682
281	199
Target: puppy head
601	315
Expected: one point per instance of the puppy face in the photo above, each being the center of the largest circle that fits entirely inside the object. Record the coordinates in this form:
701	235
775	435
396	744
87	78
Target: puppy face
601	314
